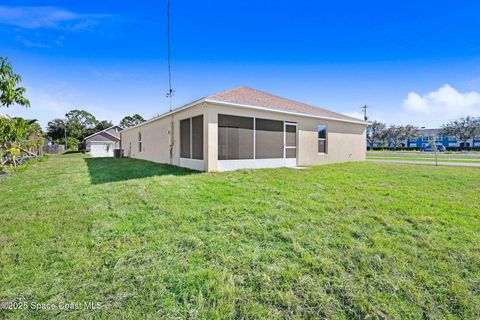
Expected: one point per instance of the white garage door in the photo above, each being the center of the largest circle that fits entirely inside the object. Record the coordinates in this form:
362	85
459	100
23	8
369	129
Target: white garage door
101	149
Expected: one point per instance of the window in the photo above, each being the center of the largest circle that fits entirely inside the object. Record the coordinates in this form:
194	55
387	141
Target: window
185	138
191	138
197	138
269	139
139	142
235	137
322	139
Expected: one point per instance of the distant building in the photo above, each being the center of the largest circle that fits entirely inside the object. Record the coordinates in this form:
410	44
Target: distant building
426	136
102	143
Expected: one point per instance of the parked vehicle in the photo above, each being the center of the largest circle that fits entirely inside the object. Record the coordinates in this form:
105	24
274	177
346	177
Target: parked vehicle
429	148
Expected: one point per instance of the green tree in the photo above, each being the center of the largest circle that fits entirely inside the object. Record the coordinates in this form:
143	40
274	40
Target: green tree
16	135
376	133
102	125
463	129
71	143
80	123
130	121
10	92
477	130
14	131
56	129
396	134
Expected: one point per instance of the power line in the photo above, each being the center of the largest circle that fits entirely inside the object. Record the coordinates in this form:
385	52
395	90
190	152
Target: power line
171	92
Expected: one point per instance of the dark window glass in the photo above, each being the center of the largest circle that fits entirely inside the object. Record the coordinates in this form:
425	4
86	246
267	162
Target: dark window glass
322	132
185	138
235	137
322	139
269	139
197	138
139	142
322	146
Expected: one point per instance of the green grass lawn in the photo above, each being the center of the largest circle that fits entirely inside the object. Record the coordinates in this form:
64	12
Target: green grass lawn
353	240
423	159
465	157
472	155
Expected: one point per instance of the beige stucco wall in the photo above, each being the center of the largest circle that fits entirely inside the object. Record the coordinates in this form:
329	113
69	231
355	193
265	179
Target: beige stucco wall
156	139
345	141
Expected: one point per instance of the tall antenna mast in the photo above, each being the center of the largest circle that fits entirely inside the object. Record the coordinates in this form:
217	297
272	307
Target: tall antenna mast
170	92
364	108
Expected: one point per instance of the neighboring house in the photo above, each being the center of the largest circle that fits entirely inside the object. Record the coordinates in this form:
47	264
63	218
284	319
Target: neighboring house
426	136
246	128
102	143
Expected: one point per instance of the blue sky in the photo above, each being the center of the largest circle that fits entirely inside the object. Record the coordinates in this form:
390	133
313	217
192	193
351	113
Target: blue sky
411	61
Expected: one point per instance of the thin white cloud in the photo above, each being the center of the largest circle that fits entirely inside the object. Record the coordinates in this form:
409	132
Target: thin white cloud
54	100
46	17
32	44
446	102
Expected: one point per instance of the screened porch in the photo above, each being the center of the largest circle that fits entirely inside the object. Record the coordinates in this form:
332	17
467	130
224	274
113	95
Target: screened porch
249	142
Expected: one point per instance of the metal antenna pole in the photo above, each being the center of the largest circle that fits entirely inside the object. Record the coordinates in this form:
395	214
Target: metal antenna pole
364	108
170	90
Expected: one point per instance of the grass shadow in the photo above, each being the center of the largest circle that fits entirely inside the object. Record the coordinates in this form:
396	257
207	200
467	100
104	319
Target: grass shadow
104	170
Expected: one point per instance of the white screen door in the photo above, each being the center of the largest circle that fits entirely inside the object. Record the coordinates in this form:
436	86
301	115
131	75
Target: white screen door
290	143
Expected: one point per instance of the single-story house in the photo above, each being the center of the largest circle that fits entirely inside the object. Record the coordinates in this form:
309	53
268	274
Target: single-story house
102	143
246	128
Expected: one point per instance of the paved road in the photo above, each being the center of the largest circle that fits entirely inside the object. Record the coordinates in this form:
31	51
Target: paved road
432	163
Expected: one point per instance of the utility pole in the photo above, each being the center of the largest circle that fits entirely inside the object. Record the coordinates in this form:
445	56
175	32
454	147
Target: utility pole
65	133
170	92
364	108
433	144
434	148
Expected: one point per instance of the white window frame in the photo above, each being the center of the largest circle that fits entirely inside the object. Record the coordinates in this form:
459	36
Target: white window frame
285	147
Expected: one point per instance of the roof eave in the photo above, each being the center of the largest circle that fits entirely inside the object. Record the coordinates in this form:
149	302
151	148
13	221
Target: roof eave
308	115
208	100
166	114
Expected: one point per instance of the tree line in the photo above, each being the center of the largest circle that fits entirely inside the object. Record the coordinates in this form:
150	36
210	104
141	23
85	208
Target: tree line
379	134
79	124
19	137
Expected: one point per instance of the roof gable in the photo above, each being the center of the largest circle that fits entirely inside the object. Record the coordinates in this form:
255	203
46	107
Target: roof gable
249	96
108	131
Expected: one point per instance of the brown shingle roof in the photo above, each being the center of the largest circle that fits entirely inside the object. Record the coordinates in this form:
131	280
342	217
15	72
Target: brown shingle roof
249	96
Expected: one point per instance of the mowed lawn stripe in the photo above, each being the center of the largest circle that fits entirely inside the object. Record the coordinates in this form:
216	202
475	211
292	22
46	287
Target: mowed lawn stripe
351	240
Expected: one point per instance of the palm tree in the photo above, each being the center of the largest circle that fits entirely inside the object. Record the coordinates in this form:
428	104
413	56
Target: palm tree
10	92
